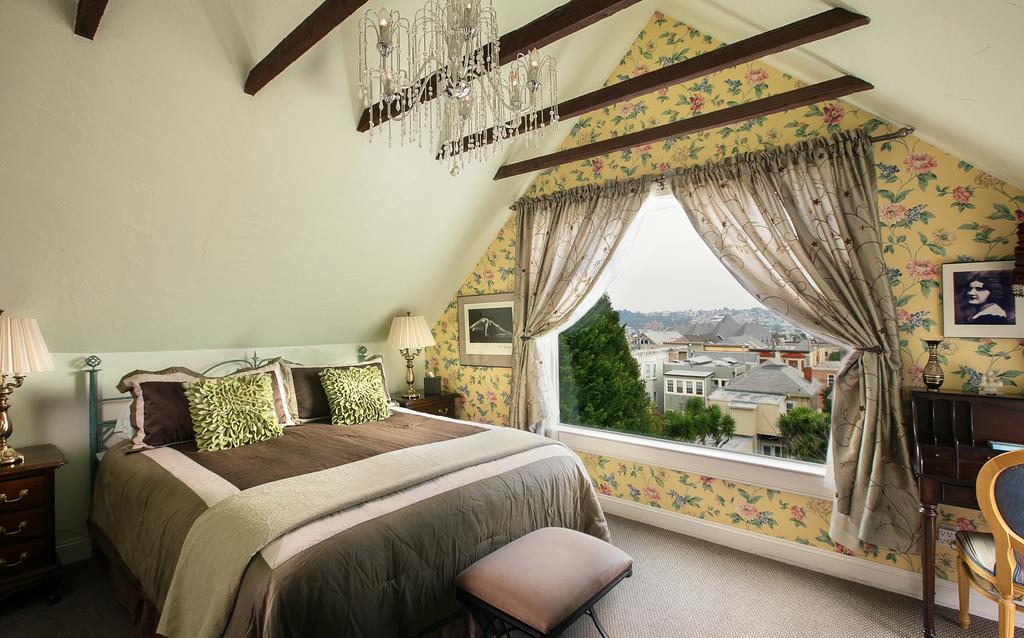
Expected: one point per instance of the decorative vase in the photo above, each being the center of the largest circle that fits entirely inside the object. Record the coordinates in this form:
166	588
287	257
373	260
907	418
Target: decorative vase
932	373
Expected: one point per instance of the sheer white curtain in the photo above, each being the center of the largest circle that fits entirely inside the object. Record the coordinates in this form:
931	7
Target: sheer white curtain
547	345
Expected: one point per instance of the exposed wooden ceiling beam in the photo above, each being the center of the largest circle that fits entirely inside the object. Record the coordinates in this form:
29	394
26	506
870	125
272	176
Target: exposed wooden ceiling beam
554	25
313	29
87	20
792	35
823	91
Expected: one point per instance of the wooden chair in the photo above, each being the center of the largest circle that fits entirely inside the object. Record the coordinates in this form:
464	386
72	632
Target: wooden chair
993	563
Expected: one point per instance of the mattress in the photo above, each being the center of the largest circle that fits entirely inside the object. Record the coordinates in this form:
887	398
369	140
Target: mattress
383	567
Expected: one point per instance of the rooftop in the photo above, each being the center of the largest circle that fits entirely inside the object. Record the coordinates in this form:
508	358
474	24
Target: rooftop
699	372
741	399
775	378
661	337
743	340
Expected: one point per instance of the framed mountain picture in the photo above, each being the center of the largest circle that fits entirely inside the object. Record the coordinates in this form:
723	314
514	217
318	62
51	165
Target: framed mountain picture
486	332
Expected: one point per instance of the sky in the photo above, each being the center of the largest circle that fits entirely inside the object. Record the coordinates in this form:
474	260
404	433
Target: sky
671	268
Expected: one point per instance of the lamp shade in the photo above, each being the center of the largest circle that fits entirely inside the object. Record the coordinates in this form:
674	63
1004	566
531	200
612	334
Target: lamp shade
410	333
22	349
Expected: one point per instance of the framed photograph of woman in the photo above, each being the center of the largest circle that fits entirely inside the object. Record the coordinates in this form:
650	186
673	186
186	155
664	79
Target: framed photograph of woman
485	330
978	301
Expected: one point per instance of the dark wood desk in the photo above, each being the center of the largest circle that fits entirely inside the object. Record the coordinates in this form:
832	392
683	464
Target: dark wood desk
952	432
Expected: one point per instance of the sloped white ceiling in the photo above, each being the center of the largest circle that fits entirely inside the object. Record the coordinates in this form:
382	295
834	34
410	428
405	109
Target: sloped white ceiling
149	204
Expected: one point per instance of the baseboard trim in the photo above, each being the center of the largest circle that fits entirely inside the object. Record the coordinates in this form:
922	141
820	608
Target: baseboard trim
850	568
74	550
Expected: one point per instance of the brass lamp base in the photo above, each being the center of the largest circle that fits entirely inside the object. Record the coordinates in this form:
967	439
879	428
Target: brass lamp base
8	455
409	355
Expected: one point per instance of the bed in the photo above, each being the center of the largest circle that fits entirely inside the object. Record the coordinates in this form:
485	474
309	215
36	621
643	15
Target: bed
327	530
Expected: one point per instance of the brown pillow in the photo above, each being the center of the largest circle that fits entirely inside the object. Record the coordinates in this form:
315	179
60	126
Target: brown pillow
305	389
159	409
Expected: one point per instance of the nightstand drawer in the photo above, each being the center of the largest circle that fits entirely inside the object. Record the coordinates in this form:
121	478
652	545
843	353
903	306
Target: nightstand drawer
22	494
23	557
436	404
443	408
22	526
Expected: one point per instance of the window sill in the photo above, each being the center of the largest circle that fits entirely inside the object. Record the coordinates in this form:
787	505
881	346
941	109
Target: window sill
784	475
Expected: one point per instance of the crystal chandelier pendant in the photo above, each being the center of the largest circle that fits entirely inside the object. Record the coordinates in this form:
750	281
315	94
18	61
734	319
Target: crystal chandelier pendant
450	52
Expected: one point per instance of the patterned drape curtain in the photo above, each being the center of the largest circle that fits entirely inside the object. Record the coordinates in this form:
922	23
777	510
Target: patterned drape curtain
564	243
799	229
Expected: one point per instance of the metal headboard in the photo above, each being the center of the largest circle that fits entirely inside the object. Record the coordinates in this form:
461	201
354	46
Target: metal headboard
100	429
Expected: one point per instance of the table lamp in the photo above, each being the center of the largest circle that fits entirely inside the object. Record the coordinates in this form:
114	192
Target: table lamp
410	335
22	352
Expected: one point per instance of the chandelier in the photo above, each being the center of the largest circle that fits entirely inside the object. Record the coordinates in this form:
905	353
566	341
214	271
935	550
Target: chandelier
438	80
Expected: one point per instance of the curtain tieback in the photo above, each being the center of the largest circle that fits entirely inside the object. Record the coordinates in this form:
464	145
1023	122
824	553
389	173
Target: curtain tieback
873	349
525	338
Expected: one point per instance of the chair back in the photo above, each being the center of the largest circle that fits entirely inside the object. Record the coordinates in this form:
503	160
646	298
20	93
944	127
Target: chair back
1000	488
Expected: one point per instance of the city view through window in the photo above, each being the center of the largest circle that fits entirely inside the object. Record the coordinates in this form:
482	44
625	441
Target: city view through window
677	349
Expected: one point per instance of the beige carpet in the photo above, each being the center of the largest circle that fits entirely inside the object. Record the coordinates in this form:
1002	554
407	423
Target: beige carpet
682	588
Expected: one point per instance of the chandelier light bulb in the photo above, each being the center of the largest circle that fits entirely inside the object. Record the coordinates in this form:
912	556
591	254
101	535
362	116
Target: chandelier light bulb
384	42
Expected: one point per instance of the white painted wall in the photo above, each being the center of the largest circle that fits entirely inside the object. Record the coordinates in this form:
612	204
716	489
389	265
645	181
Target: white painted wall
147	203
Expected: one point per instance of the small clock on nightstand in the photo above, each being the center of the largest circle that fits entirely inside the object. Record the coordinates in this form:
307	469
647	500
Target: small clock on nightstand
28	553
440	404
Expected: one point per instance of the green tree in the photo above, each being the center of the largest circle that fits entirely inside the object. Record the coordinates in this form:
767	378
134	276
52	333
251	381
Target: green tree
698	423
599	380
805	434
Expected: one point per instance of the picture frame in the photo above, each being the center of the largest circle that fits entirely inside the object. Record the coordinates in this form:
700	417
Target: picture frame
486	330
978	301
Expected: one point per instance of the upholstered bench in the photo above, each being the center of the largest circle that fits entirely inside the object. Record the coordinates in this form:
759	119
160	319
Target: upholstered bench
542	582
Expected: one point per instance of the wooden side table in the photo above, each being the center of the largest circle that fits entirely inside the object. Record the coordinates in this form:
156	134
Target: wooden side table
28	552
439	405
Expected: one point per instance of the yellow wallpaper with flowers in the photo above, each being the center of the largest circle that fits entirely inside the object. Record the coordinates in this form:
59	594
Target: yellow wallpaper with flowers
935	209
483	392
791	517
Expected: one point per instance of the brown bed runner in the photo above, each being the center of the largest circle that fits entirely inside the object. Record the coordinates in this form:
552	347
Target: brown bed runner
317	446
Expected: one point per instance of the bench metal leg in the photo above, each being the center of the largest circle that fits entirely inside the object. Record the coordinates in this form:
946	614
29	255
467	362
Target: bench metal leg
493	626
597	623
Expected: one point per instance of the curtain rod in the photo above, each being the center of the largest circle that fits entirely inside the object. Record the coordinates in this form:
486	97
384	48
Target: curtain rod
661	179
903	132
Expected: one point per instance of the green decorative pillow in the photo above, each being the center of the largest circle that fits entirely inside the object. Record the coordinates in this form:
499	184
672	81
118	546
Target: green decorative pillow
232	411
356	395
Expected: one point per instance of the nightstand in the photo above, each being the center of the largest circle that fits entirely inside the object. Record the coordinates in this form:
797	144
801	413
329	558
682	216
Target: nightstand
440	404
28	553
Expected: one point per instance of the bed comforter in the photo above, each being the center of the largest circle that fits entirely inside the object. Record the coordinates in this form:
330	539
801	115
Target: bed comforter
375	557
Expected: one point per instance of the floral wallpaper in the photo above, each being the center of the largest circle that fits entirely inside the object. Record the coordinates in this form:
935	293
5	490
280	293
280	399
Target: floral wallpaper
791	517
935	209
483	392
